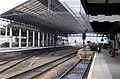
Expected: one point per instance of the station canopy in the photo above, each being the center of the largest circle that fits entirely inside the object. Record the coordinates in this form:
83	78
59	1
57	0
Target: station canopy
52	15
107	7
103	7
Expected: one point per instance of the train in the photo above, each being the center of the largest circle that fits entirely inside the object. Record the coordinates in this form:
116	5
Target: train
85	54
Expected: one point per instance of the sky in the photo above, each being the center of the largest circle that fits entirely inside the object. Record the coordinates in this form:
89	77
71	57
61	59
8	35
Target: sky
6	5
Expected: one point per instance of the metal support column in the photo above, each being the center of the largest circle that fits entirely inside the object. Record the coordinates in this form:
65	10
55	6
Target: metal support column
53	40
19	38
113	43
46	39
38	39
43	40
49	5
116	40
33	38
6	34
10	37
50	40
97	38
0	31
27	38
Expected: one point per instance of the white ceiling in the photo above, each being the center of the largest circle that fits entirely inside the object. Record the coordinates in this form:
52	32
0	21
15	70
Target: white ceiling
113	1
96	1
103	1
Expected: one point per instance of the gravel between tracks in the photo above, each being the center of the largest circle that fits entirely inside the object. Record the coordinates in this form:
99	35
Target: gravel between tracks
57	71
41	59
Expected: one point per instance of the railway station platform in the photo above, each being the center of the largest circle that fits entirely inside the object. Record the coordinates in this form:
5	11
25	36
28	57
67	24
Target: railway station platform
104	66
15	49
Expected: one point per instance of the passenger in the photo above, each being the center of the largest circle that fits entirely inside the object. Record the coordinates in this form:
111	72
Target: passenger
98	49
111	49
115	52
118	50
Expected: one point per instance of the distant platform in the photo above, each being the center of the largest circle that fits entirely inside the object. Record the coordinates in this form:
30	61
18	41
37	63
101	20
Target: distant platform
27	48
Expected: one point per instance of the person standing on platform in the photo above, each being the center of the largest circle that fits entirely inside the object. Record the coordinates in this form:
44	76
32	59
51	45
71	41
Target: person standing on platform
115	52
111	49
98	49
118	50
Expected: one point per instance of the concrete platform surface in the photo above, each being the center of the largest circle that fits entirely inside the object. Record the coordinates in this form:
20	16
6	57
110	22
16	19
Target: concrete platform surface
104	66
113	64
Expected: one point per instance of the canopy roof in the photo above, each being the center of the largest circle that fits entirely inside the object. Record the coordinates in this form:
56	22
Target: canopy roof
103	7
107	7
48	14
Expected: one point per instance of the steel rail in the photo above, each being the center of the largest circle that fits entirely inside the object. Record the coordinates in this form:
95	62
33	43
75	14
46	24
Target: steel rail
14	64
69	70
52	67
36	70
72	68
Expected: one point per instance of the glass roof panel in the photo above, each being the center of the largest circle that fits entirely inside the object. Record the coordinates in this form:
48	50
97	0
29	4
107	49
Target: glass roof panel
75	6
55	16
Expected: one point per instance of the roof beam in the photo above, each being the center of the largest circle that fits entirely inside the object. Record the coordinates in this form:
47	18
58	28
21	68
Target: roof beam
12	14
49	5
114	28
84	3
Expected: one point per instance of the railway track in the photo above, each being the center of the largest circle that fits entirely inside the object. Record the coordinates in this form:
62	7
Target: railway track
31	73
2	62
9	65
77	71
7	60
5	65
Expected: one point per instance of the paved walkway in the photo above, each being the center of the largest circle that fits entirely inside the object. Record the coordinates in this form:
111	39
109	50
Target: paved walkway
105	67
113	65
